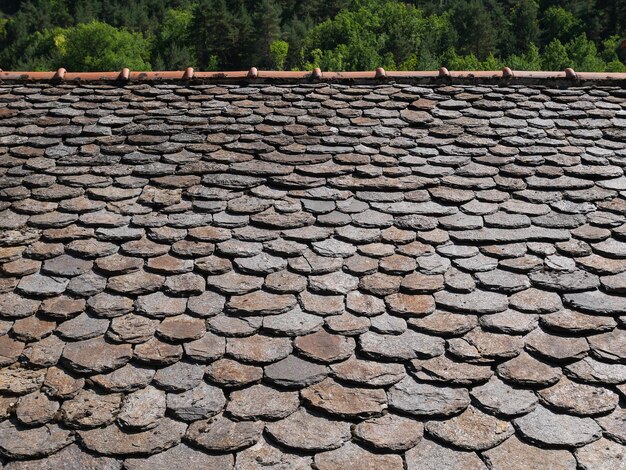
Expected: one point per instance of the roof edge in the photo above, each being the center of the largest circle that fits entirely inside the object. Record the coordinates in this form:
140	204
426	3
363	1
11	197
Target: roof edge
125	75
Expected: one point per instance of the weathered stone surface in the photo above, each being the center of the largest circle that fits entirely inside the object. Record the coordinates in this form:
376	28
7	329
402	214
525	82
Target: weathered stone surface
90	409
380	283
482	346
193	460
261	303
155	351
408	345
71	456
229	373
592	371
322	305
510	322
443	370
96	355
267	455
476	302
556	348
14	306
132	329
564	281
262	402
472	430
82	327
304	431
421	399
444	323
347	402
390	432
324	347
429	455
601	454
59	384
207	348
258	349
36	408
366	372
609	346
536	301
233	283
295	372
111	440
293	323
109	306
66	266
42	286
516	455
333	283
207	304
181	328
125	379
570	321
137	283
19	442
179	376
613	425
528	371
142	410
545	427
410	305
254	254
501	399
200	402
595	302
222	434
350	453
578	399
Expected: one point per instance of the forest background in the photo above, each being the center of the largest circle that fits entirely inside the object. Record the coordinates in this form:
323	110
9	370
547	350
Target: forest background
97	35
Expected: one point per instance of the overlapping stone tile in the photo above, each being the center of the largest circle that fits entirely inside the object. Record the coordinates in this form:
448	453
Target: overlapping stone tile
263	270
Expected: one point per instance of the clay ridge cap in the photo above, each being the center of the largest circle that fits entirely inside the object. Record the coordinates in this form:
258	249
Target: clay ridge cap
252	74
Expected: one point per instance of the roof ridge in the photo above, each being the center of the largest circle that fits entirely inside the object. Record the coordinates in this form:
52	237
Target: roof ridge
253	73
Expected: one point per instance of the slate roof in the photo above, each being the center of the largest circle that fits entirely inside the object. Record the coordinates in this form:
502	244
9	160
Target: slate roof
279	275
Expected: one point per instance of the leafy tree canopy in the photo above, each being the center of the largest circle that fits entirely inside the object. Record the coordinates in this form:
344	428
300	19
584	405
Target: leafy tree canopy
302	34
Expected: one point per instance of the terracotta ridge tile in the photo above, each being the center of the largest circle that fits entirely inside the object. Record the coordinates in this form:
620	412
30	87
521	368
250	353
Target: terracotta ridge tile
506	73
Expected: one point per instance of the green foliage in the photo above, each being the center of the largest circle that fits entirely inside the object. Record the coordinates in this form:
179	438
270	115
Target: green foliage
530	60
267	22
376	34
453	61
278	53
98	46
475	30
558	23
172	47
524	26
555	56
302	34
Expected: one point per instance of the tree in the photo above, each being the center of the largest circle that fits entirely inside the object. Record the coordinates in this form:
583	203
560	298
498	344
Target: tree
245	39
387	34
558	23
267	20
584	55
555	56
530	60
278	53
474	27
524	27
214	32
611	48
98	46
172	48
